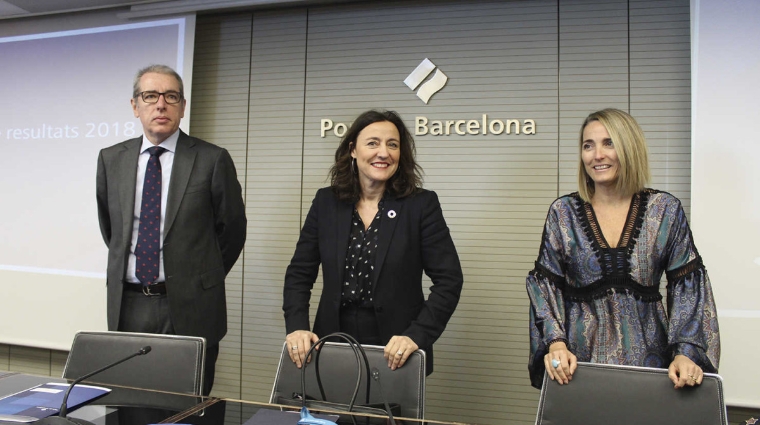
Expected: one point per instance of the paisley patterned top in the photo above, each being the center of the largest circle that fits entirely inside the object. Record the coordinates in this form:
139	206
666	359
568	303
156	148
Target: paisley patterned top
605	302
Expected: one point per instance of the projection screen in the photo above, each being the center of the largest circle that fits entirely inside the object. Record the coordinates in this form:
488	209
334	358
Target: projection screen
65	95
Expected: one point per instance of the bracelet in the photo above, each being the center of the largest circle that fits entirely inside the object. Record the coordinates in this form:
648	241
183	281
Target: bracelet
549	344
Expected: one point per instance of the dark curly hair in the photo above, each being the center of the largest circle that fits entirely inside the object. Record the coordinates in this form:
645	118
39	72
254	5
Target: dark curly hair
345	181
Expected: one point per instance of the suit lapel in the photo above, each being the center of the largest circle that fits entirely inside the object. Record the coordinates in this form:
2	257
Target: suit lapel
343	215
127	177
393	207
184	159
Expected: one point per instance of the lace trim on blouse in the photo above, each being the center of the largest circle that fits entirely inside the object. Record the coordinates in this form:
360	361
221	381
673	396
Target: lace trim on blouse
615	262
685	270
609	286
601	288
541	272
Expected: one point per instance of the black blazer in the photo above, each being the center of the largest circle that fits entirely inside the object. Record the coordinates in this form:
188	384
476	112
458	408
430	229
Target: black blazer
204	230
416	239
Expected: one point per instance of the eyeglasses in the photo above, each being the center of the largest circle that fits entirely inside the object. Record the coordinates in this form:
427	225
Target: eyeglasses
170	97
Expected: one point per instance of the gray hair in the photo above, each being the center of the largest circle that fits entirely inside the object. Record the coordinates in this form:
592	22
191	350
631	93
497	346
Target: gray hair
158	69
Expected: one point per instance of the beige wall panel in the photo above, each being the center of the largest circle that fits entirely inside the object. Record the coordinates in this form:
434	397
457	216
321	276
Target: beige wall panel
593	63
219	115
30	360
661	90
5	357
275	144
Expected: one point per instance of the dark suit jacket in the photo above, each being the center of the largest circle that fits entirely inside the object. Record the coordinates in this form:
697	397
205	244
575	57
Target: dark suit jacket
204	230
416	239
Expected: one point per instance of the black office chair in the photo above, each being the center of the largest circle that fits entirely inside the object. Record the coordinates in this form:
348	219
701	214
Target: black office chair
174	365
337	368
625	395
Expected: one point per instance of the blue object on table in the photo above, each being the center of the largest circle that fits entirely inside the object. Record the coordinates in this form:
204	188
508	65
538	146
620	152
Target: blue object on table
307	419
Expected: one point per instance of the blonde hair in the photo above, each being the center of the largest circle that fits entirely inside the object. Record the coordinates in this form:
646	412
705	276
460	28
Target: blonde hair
631	148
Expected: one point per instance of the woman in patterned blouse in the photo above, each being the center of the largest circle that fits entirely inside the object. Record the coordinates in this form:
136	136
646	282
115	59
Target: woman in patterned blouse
594	291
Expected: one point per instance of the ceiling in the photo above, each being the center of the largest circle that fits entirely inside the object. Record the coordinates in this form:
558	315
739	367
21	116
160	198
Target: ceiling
10	9
22	8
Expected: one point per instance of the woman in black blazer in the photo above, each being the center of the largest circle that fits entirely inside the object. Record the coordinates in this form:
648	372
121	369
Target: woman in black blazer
374	231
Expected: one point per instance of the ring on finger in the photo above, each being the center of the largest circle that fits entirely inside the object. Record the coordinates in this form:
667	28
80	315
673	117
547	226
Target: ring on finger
400	353
294	348
555	363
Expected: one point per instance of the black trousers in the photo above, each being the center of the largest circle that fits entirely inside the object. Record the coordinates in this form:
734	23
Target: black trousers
150	314
360	323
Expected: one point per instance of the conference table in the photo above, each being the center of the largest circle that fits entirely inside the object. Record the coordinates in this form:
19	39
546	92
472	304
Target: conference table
135	406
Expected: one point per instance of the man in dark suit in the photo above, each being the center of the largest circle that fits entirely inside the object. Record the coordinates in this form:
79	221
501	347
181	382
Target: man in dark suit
171	213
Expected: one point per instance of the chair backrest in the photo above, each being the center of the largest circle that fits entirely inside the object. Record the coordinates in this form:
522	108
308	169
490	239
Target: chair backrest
626	395
337	369
174	364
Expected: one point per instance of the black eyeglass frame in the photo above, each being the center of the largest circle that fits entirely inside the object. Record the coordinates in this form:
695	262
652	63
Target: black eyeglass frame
143	93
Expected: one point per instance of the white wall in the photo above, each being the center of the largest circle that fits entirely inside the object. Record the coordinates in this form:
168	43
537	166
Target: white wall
725	179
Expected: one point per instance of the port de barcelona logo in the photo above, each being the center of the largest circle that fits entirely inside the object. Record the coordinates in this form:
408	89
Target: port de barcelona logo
425	86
